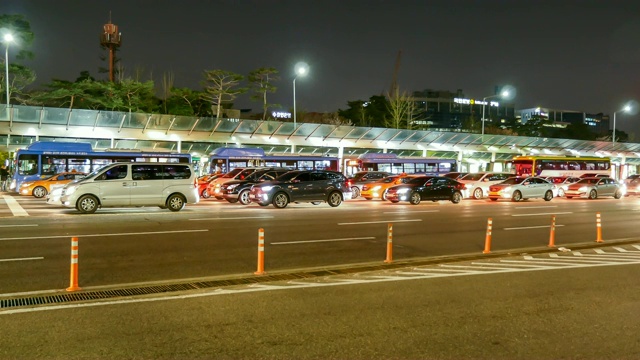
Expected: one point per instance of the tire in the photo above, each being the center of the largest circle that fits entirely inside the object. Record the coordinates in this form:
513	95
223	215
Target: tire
205	194
263	204
560	192
414	198
316	202
618	194
493	199
456	197
355	192
477	193
244	198
368	198
569	197
593	194
395	201
548	195
232	201
517	196
87	204
39	192
176	202
335	199
384	195
280	200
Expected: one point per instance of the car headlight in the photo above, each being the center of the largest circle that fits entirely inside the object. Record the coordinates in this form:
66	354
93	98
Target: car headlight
70	190
376	188
507	189
402	191
26	184
232	186
266	188
584	189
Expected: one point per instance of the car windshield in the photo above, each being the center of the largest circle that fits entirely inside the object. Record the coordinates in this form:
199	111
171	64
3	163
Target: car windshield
418	180
389	179
288	176
255	176
232	173
359	176
473	177
588	181
514	180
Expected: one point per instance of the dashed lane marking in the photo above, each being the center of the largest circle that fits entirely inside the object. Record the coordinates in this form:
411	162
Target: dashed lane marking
13	205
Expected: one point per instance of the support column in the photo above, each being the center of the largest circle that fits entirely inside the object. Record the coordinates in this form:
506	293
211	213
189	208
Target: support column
293	148
341	159
491	166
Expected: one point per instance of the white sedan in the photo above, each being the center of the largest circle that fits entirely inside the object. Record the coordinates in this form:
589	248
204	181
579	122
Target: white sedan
522	188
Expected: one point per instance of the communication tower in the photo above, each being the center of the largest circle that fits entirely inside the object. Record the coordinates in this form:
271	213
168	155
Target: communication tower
111	39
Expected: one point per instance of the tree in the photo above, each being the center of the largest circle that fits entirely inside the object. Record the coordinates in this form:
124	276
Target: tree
221	86
20	28
367	113
401	108
261	81
186	102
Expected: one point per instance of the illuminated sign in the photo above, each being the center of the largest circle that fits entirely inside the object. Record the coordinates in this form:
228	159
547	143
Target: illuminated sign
475	102
281	115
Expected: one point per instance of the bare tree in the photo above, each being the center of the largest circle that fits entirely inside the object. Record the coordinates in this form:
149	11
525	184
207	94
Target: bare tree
167	85
262	83
401	108
221	86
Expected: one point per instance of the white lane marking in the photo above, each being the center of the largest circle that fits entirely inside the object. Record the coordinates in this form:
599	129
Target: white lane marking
531	227
22	259
13	205
237	218
325	240
378	222
99	235
540	214
18	225
410	211
535	207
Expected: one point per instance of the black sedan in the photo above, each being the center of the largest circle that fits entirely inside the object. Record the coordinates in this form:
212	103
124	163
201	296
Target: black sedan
426	188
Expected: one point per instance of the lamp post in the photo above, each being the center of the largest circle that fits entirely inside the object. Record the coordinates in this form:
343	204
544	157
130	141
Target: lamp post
7	39
503	94
301	69
626	108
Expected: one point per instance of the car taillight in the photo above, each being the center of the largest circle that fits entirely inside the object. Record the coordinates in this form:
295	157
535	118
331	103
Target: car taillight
348	183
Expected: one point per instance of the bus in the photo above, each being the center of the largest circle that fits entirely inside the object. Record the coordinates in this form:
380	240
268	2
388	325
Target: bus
560	166
225	159
45	158
392	163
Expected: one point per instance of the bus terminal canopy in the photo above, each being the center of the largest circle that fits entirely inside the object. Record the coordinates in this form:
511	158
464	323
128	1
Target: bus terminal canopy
203	135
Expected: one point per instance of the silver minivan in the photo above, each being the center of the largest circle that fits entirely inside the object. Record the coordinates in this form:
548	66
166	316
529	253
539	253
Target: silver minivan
167	185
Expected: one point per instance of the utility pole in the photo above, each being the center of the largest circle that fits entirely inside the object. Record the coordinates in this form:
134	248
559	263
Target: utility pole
111	39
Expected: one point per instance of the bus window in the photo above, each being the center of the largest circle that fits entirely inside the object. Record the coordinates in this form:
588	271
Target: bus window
28	164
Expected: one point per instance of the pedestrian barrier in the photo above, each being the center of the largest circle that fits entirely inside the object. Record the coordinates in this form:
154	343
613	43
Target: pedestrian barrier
487	239
552	232
260	270
73	283
389	244
598	228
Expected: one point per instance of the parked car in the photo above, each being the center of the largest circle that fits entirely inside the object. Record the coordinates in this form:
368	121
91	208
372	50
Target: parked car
235	174
314	186
632	185
203	184
561	183
40	188
238	190
432	188
378	189
594	187
363	177
593	175
521	188
477	184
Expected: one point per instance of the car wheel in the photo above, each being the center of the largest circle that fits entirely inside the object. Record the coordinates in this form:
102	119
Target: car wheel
618	194
415	198
355	192
456	197
517	196
384	195
263	204
593	194
233	201
477	193
569	197
560	192
548	195
493	199
335	199
244	198
176	202
205	194
395	201
280	200
87	204
39	192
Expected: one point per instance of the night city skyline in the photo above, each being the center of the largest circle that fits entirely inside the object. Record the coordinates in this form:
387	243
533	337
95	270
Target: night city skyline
570	55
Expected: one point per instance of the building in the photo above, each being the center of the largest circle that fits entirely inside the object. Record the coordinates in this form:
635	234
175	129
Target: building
599	123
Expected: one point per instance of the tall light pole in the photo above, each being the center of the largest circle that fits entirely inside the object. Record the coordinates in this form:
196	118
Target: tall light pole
301	69
7	39
626	108
503	94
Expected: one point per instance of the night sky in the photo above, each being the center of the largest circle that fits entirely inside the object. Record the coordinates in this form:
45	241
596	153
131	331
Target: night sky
563	54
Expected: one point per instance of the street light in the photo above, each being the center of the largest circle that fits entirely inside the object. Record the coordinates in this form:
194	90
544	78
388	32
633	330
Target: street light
626	108
7	39
301	69
505	93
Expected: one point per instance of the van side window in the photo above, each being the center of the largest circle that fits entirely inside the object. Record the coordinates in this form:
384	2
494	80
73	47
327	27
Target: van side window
176	172
116	173
146	172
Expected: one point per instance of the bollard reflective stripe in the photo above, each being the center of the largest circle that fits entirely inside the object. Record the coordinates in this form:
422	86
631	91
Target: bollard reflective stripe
598	229
73	281
389	258
260	270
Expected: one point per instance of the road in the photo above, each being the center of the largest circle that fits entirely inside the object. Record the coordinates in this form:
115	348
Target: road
214	238
563	305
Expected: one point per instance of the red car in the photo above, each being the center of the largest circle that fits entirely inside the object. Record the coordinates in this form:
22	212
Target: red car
203	184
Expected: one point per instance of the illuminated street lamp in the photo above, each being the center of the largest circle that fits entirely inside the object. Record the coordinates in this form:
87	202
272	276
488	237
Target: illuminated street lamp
8	38
626	109
506	93
301	69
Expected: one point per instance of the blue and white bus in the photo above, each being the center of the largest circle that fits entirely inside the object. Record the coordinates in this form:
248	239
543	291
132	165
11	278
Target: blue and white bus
44	158
395	164
225	159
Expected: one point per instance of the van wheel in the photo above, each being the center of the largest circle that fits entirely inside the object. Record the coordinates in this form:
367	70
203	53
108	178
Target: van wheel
548	195
415	198
243	197
280	200
176	202
87	204
335	199
39	192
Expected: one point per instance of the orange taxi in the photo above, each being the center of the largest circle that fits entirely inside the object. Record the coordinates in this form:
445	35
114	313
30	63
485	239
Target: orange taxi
40	188
378	189
203	184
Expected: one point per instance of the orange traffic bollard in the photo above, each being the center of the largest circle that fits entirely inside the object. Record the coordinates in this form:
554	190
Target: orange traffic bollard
552	233
487	240
389	244
73	283
260	270
598	228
